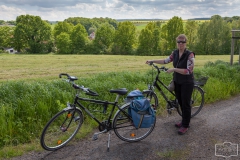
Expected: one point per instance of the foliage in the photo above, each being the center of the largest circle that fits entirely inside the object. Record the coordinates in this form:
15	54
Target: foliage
145	42
201	45
125	38
32	33
63	43
149	40
219	37
61	27
78	39
86	22
174	28
191	29
91	23
6	36
217	41
104	37
2	22
206	37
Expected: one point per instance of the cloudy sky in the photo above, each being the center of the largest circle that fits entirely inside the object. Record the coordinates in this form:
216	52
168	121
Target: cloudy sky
58	10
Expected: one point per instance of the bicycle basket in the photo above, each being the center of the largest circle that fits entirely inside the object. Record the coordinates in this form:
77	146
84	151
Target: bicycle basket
201	81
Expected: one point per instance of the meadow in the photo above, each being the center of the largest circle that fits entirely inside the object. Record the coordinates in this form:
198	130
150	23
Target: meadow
48	67
31	91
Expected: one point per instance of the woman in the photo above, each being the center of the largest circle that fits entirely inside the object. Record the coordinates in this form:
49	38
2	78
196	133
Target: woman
183	63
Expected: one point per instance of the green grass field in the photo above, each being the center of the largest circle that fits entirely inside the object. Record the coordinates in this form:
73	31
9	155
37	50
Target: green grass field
33	67
31	91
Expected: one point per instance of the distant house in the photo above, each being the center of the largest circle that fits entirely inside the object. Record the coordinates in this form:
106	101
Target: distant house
10	50
92	36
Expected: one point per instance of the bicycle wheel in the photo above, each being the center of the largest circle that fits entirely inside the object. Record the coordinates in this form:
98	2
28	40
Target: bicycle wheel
152	97
61	129
197	101
124	128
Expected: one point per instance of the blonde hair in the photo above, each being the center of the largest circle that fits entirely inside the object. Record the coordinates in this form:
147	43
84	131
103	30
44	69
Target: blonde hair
182	36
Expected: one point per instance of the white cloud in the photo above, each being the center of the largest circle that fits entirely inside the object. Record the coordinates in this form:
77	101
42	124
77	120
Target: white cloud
118	9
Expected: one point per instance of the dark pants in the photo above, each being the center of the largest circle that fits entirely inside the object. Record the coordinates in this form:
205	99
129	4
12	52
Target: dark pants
183	93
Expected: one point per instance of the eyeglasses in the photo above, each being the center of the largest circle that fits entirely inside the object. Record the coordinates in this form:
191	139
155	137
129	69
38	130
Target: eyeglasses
181	41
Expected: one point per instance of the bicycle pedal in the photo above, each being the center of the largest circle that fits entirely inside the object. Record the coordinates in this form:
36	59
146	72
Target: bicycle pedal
95	137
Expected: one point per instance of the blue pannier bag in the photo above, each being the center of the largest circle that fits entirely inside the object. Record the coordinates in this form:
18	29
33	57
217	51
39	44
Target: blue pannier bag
141	111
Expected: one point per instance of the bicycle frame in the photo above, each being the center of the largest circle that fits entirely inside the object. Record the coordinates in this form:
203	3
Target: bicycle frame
77	102
157	82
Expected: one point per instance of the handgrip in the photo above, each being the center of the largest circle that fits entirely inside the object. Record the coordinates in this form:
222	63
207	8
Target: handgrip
63	74
91	93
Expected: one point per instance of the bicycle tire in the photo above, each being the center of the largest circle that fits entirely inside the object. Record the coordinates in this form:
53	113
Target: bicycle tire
61	129
152	97
197	101
125	129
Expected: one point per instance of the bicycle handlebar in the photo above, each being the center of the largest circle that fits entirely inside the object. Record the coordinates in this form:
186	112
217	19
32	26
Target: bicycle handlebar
71	79
159	69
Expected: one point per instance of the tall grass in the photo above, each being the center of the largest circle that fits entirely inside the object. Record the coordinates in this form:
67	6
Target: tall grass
25	107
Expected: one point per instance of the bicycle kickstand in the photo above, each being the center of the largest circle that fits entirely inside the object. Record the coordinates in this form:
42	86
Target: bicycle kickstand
95	137
109	138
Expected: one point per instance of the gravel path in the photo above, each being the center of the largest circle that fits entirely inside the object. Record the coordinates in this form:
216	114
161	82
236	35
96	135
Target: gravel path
215	124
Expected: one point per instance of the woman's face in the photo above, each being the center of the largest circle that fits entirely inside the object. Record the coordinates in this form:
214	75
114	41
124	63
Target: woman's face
181	43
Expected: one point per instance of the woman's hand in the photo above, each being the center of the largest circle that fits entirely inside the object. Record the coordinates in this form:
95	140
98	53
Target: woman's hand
149	62
171	70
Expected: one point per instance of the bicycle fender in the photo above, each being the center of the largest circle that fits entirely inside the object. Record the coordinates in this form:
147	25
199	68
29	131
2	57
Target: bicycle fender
70	107
147	91
200	89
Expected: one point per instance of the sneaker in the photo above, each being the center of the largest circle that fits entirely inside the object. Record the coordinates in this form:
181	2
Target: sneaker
178	125
182	130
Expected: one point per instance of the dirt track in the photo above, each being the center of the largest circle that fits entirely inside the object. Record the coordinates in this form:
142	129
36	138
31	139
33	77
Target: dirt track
215	124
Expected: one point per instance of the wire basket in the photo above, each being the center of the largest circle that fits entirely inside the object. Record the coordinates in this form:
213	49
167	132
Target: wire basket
201	81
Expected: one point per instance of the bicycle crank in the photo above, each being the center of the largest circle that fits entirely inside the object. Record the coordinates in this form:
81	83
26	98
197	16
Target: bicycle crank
104	126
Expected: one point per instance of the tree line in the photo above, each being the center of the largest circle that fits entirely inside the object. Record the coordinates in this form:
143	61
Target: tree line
33	35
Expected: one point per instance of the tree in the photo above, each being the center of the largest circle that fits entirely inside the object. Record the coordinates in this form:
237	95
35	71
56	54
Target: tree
86	22
174	28
63	43
6	36
104	37
149	39
236	26
61	27
31	32
2	22
78	38
145	42
164	43
202	41
218	36
125	38
191	29
156	41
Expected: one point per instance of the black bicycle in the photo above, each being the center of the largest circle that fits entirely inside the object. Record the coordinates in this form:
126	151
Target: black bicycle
197	99
62	127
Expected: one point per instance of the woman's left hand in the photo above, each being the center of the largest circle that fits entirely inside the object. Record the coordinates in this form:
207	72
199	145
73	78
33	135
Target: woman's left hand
170	70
